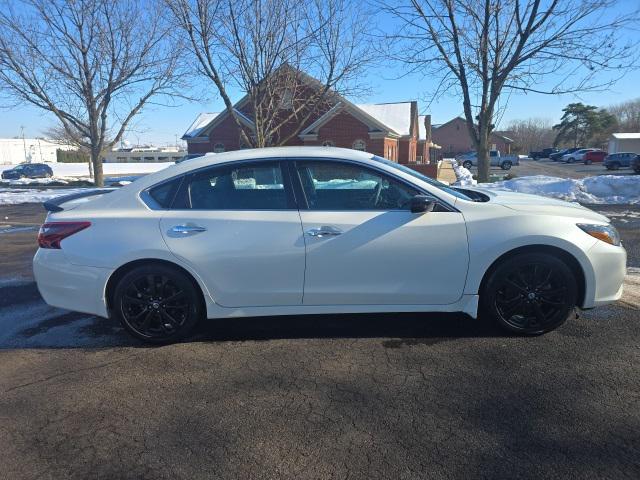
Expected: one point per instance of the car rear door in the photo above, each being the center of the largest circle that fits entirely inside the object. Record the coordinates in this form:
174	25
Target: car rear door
239	228
365	247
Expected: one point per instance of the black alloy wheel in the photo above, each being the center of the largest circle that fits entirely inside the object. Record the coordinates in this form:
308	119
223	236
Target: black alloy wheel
530	294
157	304
467	165
506	165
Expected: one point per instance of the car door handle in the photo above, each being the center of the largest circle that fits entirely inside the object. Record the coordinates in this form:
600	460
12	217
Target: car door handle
324	231
187	229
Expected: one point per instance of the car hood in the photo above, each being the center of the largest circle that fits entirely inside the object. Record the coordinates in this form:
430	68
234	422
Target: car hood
526	202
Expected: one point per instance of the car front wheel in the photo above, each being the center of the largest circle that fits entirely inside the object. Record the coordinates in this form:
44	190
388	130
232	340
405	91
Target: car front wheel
157	304
506	165
530	294
467	164
588	162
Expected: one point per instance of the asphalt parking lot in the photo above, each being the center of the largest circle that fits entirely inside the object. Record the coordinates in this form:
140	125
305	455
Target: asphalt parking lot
548	167
343	396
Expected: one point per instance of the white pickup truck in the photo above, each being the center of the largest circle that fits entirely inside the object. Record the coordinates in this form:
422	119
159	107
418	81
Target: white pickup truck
467	160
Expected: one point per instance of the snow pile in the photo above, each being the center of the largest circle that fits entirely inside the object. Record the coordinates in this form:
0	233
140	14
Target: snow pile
603	189
82	169
340	183
12	196
464	176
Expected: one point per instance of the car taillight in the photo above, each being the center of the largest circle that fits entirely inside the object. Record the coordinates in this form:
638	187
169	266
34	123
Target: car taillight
51	234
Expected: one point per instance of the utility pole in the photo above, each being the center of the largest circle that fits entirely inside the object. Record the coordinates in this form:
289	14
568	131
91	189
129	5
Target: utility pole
24	143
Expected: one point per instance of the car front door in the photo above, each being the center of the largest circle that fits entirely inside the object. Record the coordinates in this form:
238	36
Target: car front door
238	227
365	246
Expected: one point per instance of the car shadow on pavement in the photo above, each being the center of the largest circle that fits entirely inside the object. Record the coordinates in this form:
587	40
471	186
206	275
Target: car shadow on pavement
396	329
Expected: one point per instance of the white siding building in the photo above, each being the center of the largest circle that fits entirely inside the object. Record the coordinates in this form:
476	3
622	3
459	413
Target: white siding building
144	155
624	142
35	150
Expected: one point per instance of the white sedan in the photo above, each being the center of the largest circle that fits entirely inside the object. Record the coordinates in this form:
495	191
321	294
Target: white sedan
305	230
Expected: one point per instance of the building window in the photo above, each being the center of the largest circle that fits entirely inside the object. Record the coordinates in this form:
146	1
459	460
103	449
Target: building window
328	143
218	148
359	145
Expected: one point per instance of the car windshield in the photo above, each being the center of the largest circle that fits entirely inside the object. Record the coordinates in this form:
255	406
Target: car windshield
424	178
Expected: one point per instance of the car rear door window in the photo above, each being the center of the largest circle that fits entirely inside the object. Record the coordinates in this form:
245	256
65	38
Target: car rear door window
249	186
330	185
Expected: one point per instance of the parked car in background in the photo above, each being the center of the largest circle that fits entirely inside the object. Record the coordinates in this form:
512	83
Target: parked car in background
614	161
304	230
558	155
544	153
577	156
470	159
635	164
28	170
594	156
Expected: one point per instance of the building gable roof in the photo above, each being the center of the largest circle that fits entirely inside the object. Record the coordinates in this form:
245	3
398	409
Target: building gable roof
396	116
394	119
199	124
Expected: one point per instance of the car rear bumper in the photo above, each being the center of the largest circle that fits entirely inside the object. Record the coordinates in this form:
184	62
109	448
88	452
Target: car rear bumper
68	286
609	265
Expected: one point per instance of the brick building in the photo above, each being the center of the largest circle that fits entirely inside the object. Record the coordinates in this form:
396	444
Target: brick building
454	139
390	130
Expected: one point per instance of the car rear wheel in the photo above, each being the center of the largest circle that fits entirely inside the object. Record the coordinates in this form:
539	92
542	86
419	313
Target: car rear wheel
614	166
588	162
157	304
506	165
467	164
530	294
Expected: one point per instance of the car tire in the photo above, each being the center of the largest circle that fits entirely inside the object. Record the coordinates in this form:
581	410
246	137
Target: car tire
614	166
529	294
506	165
571	160
157	304
588	162
467	164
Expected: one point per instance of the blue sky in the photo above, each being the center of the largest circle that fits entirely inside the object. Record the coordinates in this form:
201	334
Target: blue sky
160	125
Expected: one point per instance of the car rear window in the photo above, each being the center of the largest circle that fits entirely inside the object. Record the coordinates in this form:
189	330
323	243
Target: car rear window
164	194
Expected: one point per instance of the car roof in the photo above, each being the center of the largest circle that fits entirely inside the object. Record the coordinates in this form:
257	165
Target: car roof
275	153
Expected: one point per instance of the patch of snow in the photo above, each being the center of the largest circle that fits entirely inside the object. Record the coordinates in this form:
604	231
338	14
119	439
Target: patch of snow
603	189
13	196
62	170
464	175
340	183
201	121
396	116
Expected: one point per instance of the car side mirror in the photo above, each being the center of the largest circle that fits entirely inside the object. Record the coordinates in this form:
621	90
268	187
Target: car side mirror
422	204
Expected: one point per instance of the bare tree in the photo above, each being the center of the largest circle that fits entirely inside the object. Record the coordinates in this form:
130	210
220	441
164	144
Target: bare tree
270	50
531	134
627	115
94	64
482	49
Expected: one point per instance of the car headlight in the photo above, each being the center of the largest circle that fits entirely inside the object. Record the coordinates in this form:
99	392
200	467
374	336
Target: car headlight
606	233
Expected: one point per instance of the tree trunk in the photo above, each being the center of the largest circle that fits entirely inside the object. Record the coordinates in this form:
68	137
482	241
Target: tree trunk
96	161
484	160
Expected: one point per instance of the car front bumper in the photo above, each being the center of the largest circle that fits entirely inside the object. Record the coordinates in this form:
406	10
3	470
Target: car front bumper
609	267
68	286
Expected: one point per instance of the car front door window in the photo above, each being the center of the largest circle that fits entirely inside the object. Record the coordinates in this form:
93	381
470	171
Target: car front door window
339	186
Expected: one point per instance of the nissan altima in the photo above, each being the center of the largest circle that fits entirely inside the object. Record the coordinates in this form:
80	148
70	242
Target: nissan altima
306	230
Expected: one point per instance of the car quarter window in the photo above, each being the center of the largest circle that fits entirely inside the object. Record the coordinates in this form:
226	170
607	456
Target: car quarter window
334	185
248	186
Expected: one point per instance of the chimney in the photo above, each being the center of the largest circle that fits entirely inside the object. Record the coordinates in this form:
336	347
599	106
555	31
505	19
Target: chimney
427	128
